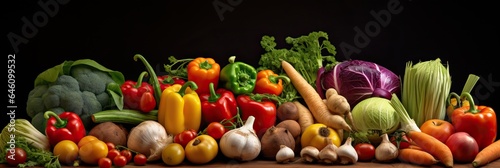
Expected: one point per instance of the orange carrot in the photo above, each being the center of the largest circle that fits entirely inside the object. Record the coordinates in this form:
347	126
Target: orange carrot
415	147
432	145
417	157
488	154
313	100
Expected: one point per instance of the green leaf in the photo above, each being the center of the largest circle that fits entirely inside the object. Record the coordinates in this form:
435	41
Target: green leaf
50	75
116	93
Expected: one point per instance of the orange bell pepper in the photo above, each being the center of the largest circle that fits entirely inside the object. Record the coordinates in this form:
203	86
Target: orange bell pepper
269	82
203	71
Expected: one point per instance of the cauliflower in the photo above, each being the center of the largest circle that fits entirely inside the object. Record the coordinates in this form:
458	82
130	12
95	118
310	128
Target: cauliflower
85	89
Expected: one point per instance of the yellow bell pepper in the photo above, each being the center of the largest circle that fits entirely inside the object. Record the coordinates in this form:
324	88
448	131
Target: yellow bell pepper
317	135
180	108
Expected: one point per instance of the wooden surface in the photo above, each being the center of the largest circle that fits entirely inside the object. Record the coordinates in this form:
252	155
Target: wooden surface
272	164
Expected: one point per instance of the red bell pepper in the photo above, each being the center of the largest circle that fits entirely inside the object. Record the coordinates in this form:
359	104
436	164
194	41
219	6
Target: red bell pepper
263	110
478	121
218	105
167	81
138	95
269	82
65	126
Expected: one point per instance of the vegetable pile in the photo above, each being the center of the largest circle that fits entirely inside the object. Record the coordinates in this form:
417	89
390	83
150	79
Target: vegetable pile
298	106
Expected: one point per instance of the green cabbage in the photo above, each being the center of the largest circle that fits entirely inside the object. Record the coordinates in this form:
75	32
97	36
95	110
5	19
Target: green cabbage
375	114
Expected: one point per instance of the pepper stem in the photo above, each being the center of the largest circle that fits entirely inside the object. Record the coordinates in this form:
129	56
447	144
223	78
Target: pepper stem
275	79
205	65
60	123
454	95
139	80
213	96
168	80
154	79
231	59
472	106
190	84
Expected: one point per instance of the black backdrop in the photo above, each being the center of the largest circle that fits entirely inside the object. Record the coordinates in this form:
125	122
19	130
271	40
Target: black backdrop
460	33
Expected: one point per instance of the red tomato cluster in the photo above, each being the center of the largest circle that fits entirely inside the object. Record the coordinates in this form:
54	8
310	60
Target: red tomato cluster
121	157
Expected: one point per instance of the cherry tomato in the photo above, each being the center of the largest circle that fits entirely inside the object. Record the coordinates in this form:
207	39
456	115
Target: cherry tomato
67	151
216	130
15	156
366	152
127	154
120	161
110	145
404	141
173	154
140	159
104	163
113	153
185	136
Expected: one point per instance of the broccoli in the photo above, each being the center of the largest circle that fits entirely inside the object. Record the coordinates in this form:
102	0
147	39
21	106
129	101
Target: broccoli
83	89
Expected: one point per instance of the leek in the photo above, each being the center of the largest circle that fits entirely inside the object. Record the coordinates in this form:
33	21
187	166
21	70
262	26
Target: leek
425	89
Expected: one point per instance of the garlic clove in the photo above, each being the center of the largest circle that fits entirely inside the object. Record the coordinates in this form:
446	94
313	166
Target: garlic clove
285	154
309	154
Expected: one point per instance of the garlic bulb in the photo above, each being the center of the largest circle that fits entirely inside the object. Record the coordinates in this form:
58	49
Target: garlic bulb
346	153
149	138
285	154
386	151
241	143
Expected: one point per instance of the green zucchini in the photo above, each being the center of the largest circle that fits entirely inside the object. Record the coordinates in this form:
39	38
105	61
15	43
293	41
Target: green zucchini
125	116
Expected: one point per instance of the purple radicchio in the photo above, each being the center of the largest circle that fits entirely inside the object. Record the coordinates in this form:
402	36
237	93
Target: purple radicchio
357	80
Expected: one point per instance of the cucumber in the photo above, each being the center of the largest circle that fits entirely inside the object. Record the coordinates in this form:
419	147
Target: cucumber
125	116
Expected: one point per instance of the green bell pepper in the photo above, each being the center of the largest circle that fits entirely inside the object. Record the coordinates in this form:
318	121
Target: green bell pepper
239	77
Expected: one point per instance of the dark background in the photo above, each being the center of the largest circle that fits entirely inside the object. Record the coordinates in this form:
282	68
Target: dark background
460	33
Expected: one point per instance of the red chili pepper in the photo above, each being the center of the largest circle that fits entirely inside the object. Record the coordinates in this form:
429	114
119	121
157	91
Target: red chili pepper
478	121
138	95
269	82
167	81
66	126
218	105
263	110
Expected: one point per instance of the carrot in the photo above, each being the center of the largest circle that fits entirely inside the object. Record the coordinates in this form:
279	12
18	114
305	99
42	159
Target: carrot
488	154
313	100
415	147
432	145
417	157
305	117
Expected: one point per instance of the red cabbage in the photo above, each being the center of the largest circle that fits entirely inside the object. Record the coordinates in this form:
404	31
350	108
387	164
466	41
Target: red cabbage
357	80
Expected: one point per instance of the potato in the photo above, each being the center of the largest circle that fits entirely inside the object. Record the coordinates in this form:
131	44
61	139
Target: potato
110	132
287	111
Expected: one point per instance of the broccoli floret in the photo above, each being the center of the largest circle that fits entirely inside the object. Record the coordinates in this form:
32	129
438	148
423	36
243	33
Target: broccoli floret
83	92
35	100
91	79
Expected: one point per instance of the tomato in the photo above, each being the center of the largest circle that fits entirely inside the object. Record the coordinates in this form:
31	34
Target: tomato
185	136
120	161
15	156
404	141
85	140
113	153
366	152
439	129
216	130
127	154
67	151
140	159
202	149
92	151
104	163
110	145
173	154
463	147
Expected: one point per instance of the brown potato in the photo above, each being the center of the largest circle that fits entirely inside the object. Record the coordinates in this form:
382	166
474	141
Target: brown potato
110	132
